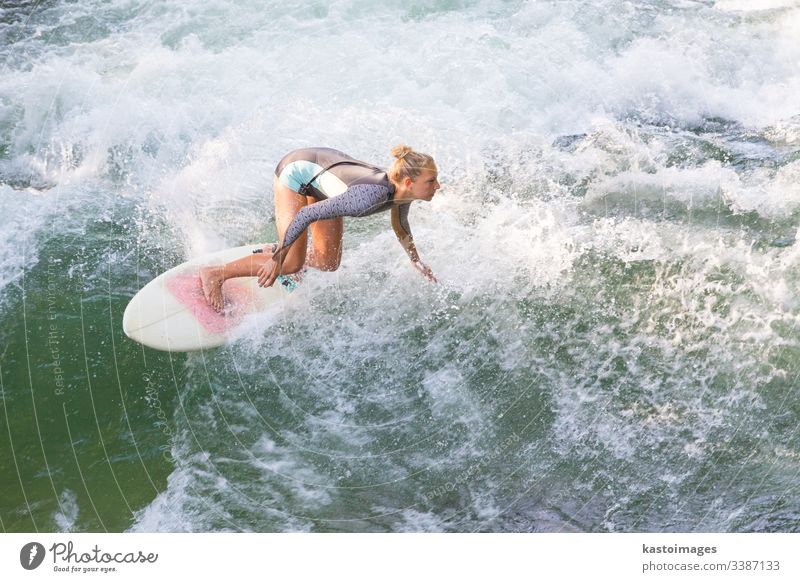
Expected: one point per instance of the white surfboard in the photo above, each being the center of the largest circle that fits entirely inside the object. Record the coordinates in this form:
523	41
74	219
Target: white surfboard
171	313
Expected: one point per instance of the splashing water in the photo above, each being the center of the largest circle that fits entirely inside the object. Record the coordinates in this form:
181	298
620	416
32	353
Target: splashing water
613	345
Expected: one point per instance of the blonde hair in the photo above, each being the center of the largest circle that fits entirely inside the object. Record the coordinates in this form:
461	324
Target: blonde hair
409	164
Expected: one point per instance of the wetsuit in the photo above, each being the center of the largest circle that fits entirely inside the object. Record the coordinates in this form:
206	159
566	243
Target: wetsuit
342	185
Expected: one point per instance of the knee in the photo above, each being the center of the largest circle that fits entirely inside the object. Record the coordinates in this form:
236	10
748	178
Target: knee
290	266
325	260
329	266
293	262
329	261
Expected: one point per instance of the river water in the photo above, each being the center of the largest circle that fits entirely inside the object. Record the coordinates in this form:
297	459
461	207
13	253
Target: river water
614	343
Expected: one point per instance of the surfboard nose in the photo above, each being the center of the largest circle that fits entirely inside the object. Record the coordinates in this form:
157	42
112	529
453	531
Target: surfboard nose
171	312
129	322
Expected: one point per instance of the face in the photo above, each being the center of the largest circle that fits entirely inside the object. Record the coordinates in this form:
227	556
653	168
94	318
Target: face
424	186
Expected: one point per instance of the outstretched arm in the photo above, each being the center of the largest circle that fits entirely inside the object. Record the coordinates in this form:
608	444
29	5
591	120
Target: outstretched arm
358	200
403	232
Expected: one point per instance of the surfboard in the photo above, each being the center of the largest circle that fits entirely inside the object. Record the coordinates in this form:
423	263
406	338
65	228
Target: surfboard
171	313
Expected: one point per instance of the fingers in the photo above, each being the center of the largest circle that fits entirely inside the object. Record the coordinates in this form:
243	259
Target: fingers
425	271
267	274
265	271
429	274
266	279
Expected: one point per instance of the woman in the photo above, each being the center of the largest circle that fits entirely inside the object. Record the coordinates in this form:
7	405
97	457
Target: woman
315	188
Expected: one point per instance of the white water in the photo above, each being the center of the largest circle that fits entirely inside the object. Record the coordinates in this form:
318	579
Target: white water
653	134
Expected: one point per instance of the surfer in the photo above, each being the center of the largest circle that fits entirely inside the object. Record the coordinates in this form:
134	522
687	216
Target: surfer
315	188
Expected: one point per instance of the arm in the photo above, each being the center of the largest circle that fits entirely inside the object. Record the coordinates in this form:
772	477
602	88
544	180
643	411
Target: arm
403	232
358	200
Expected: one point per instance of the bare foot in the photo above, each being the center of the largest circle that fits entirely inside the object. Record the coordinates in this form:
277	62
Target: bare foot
211	278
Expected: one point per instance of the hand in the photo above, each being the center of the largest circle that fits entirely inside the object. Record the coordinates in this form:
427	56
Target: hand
267	274
425	270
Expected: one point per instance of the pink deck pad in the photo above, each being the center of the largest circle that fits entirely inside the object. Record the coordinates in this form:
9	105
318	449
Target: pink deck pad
189	291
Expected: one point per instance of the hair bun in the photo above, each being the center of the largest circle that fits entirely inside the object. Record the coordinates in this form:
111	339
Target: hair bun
401	151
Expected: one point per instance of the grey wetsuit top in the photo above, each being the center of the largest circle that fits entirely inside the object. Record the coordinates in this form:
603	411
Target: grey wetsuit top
342	185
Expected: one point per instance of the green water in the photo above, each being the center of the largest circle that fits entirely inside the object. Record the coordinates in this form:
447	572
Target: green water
614	343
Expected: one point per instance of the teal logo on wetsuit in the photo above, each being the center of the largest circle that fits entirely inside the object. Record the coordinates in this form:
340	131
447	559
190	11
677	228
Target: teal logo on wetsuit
287	282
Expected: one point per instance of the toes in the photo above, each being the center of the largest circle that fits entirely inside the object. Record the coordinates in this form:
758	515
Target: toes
212	289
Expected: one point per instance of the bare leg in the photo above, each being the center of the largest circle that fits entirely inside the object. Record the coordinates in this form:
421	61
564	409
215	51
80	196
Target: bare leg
326	244
287	204
325	255
213	277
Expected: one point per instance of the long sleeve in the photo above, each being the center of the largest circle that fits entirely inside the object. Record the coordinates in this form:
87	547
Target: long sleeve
358	200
